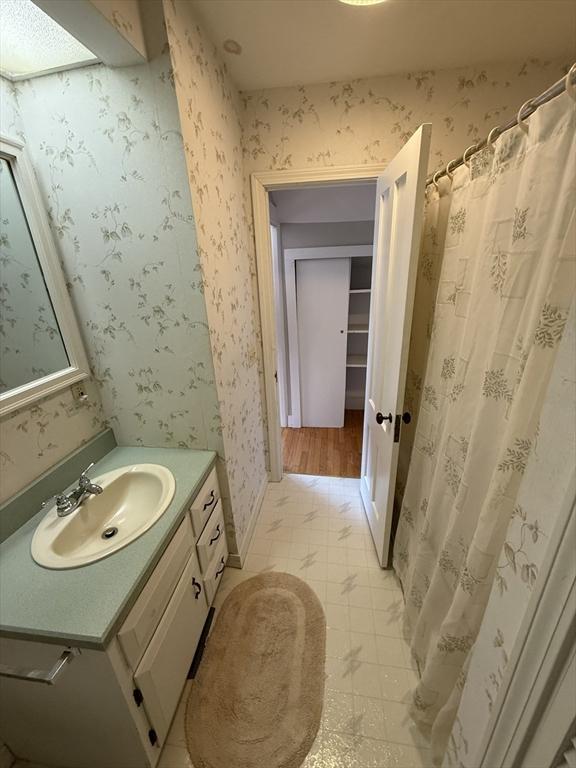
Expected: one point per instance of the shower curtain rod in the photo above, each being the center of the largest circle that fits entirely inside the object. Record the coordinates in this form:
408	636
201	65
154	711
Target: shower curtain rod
526	109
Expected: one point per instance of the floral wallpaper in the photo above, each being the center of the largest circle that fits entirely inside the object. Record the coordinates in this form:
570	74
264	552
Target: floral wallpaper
124	15
550	466
368	121
210	117
107	150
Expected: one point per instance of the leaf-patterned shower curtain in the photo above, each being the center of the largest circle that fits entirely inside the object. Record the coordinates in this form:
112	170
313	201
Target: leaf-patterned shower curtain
505	282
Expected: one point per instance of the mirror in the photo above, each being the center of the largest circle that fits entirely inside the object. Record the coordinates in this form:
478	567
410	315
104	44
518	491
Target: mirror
40	345
31	344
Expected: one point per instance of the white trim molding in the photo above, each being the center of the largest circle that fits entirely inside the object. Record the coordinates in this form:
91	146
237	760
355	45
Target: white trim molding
15	153
261	183
238	560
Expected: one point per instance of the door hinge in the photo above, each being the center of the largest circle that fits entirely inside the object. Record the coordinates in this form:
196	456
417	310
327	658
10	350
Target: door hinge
138	697
153	736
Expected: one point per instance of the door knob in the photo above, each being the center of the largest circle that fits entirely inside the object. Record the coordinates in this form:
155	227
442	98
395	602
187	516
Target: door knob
380	418
406	417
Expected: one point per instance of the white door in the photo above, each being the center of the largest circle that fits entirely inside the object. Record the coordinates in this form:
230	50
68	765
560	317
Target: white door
322	289
398	224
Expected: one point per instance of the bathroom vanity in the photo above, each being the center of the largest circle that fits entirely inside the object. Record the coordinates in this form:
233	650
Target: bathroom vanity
103	650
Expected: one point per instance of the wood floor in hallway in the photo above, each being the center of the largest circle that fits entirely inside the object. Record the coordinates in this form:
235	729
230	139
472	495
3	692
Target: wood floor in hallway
325	451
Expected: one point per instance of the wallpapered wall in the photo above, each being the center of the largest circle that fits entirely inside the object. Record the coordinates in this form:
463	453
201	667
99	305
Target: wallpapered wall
107	150
368	121
529	532
126	17
209	113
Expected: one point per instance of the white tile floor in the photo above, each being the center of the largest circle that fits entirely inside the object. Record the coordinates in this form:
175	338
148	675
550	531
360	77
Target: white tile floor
315	528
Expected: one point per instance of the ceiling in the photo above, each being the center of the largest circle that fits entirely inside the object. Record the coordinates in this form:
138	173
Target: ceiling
298	42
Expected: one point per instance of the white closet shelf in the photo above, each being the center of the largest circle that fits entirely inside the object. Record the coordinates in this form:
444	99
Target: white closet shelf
358	328
356	361
360	290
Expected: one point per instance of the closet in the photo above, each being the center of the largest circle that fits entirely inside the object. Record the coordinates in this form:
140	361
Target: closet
328	332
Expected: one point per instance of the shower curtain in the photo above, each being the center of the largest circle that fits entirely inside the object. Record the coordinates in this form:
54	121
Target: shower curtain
505	280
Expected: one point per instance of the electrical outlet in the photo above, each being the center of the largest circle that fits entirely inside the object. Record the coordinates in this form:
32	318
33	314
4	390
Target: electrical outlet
79	393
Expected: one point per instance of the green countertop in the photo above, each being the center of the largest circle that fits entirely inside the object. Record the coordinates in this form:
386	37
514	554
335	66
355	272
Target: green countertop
86	606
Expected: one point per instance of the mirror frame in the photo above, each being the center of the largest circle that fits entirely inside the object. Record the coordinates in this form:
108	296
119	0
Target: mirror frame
15	153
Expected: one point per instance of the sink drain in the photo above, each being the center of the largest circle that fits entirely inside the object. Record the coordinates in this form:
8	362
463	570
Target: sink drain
109	533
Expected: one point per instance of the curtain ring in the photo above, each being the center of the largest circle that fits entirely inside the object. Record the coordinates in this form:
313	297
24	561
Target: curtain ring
520	119
464	156
569	85
448	171
435	182
492	136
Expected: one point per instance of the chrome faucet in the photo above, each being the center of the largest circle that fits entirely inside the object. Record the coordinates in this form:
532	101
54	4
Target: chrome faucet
67	503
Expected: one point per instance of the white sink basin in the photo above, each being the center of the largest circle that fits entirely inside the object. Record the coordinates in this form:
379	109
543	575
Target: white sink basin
133	498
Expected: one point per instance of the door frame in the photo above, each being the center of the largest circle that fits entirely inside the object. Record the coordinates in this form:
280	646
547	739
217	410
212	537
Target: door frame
291	256
261	183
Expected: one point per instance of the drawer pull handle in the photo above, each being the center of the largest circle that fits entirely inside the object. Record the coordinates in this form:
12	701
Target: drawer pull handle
215	538
197	587
210	501
219	571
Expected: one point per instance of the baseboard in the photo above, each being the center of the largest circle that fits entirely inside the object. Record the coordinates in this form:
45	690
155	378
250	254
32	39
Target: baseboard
237	561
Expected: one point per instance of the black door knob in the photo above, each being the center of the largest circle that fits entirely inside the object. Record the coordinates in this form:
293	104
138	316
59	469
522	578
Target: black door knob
406	417
380	418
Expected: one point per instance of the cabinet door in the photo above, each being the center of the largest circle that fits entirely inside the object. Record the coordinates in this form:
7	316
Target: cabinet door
322	288
138	628
162	672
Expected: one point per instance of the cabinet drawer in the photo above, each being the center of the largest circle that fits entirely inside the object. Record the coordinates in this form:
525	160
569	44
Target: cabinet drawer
213	533
143	619
205	503
213	575
162	672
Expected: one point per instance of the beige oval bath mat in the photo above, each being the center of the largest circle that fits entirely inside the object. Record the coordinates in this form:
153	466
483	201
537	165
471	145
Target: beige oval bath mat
256	701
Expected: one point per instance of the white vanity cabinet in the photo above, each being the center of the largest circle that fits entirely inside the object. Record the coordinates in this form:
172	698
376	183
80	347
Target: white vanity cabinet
113	707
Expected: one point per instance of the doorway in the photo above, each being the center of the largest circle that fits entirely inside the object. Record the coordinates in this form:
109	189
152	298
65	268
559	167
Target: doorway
398	216
322	242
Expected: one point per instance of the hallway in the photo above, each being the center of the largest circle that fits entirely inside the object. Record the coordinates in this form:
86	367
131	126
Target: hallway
326	452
